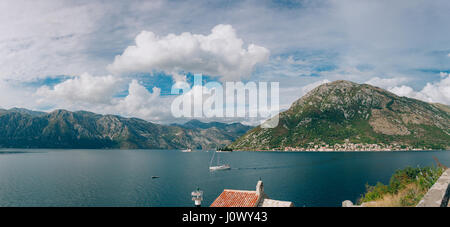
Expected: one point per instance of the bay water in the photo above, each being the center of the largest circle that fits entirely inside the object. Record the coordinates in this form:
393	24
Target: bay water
124	177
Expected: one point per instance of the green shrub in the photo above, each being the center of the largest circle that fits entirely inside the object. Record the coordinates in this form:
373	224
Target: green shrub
423	178
411	198
374	192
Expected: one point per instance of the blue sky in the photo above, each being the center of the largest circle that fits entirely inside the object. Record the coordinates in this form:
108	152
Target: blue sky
58	54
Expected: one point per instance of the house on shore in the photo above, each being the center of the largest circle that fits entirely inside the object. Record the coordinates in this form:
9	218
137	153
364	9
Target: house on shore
246	198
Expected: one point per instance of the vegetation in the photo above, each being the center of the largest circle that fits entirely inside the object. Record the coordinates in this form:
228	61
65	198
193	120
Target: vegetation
21	128
406	187
341	111
226	148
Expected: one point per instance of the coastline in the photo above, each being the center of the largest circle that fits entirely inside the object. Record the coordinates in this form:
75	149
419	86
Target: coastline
345	147
341	151
240	150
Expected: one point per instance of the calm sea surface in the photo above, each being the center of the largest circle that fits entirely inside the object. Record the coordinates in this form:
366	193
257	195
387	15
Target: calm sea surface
124	177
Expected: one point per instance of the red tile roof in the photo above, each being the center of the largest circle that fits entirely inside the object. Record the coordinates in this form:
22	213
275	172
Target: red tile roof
236	198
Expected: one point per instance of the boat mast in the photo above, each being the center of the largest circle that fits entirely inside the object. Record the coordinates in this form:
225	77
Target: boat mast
210	162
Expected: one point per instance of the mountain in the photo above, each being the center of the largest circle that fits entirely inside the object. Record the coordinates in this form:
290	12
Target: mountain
21	128
23	111
233	130
343	115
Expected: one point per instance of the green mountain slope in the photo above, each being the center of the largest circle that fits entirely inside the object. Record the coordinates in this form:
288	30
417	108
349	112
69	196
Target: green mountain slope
342	115
21	128
232	131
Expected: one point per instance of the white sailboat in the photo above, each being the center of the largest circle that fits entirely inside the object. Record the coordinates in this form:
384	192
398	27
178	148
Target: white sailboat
218	166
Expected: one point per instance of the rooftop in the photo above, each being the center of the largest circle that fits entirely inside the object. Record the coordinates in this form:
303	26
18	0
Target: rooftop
246	198
236	198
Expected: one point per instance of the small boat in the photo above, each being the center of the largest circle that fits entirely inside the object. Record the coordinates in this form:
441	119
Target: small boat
187	150
154	177
221	167
218	166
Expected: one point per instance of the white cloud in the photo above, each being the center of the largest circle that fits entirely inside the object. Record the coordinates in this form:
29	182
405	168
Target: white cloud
432	92
13	95
386	82
403	91
291	60
96	94
348	73
307	88
61	37
438	92
141	103
42	38
82	89
220	53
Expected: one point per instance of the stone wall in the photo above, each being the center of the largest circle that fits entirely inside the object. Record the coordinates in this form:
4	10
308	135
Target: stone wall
439	193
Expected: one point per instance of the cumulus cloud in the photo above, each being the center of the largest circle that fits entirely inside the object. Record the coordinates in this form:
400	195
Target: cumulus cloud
432	92
404	91
307	88
84	88
141	103
386	82
151	106
221	53
97	94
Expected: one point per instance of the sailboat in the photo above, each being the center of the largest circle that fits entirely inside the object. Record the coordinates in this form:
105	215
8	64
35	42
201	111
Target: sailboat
218	166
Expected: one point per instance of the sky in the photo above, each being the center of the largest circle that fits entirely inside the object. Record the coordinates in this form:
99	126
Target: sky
122	57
